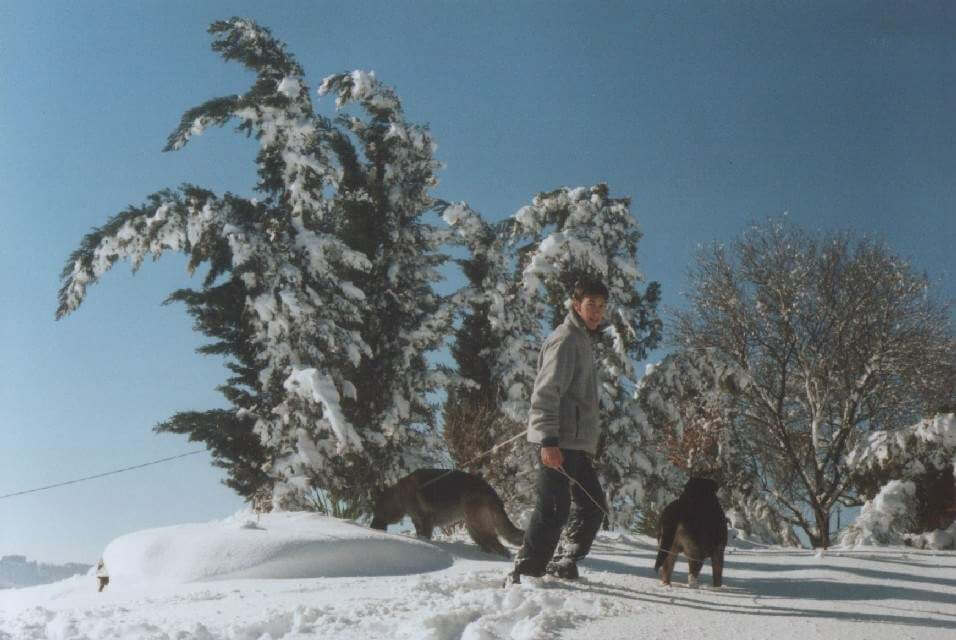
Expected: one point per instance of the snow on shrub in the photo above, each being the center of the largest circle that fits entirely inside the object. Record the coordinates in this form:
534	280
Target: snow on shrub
883	519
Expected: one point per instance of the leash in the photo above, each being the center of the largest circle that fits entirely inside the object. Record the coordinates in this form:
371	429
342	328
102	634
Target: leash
507	442
478	457
601	507
596	503
560	470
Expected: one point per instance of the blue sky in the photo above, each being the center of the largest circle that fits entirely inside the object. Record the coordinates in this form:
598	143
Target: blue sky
709	115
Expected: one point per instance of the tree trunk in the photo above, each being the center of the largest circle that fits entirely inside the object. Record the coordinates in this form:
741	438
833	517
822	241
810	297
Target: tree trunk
822	537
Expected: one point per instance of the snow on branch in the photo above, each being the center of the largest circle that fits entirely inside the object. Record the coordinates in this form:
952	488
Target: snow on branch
935	436
277	110
362	87
313	386
592	232
169	222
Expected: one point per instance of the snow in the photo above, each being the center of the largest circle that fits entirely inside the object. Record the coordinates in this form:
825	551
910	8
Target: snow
289	86
880	521
302	575
937	434
310	383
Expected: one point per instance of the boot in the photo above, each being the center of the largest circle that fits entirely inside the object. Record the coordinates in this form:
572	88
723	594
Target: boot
513	577
565	568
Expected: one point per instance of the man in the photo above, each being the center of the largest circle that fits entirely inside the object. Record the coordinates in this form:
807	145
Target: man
564	421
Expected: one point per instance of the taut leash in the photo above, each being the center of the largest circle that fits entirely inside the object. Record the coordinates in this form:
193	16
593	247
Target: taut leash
478	457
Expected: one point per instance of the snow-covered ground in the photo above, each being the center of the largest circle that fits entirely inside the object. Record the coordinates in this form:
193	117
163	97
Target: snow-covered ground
297	575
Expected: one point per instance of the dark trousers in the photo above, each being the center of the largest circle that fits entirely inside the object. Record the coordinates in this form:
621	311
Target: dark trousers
553	510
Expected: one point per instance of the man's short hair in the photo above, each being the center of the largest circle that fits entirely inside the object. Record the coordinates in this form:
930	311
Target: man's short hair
589	287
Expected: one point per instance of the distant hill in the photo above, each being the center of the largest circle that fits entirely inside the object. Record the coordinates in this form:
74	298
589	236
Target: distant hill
17	571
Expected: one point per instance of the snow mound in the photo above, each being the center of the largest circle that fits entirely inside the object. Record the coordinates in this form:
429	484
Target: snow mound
278	546
940	539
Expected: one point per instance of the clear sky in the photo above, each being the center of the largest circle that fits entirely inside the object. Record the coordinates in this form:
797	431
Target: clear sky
709	115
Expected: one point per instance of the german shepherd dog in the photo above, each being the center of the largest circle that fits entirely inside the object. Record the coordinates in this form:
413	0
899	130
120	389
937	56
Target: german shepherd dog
694	524
439	497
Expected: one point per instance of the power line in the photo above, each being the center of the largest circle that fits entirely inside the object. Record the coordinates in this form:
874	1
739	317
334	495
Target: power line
100	475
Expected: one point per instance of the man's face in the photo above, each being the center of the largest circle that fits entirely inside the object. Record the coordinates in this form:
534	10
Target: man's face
591	309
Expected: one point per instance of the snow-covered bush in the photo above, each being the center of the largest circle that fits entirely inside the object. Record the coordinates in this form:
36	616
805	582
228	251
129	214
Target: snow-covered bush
884	519
923	453
938	540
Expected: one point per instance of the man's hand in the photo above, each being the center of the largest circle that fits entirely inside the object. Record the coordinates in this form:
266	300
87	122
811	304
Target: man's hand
552	457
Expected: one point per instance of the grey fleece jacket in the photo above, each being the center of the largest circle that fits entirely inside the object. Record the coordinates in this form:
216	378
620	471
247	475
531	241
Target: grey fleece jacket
564	403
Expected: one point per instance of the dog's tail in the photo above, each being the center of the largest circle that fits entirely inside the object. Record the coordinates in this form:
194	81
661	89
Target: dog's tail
661	557
665	542
505	528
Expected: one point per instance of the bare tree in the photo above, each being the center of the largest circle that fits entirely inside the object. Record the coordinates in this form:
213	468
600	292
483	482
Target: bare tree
839	338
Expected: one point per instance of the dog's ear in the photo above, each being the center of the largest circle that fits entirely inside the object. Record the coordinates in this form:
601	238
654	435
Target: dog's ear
698	485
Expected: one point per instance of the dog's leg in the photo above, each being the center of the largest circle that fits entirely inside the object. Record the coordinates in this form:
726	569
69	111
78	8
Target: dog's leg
669	560
717	566
665	542
423	526
667	568
695	553
693	575
662	551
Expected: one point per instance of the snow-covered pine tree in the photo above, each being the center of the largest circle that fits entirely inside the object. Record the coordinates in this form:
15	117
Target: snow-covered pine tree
683	399
383	201
545	248
471	403
496	350
907	478
227	433
580	232
282	296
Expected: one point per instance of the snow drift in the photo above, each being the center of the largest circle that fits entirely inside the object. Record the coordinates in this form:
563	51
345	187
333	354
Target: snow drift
280	546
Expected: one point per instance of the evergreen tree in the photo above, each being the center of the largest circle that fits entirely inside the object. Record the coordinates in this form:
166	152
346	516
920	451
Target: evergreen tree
227	433
383	201
318	291
471	404
489	342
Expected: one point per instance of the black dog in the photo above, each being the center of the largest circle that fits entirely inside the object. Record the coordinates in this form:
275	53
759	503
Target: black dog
694	524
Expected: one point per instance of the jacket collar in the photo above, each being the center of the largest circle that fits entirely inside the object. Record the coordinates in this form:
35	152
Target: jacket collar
575	321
